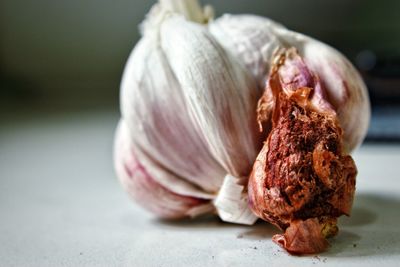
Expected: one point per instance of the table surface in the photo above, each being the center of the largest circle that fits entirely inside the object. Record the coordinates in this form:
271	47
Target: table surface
61	205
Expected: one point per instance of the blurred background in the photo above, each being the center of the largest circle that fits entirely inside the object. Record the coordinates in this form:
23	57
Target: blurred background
68	56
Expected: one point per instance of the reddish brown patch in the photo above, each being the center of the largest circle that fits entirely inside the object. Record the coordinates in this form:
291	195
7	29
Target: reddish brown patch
302	180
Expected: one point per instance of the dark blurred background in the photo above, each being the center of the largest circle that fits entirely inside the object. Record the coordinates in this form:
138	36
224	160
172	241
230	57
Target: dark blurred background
68	56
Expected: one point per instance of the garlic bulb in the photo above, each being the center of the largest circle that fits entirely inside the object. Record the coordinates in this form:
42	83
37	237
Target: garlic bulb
188	135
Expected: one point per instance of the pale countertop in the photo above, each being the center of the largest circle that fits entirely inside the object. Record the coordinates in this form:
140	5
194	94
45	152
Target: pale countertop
61	205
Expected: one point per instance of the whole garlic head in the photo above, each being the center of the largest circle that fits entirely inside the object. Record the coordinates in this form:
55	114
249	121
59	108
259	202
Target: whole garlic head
188	134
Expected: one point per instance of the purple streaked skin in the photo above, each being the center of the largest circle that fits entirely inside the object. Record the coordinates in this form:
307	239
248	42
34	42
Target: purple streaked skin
295	74
144	189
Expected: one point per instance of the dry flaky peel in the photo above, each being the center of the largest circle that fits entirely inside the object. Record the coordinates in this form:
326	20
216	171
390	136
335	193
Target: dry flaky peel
302	179
188	135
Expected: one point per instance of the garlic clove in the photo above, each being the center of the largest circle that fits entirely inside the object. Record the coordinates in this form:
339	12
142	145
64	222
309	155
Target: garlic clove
182	157
221	98
249	38
152	103
146	190
220	94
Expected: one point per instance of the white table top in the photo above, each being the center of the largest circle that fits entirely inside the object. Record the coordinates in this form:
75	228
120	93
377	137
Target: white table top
61	205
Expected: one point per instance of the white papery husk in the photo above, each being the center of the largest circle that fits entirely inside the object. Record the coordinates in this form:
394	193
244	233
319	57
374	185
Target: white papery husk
189	109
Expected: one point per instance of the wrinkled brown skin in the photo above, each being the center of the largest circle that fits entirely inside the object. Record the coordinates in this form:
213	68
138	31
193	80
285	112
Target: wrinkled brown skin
302	180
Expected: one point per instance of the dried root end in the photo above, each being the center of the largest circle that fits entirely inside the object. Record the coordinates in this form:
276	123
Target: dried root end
305	237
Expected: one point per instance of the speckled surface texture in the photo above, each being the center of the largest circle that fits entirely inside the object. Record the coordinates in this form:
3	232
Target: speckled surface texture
61	205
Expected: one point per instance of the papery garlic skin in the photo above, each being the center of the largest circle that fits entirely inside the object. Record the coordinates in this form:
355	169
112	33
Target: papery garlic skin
147	90
146	190
345	88
188	113
249	38
220	94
